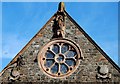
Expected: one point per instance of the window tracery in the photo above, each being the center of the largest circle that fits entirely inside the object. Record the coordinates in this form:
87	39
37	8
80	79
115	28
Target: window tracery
59	58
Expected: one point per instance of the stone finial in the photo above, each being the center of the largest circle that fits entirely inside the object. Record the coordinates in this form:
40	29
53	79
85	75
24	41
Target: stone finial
61	7
59	22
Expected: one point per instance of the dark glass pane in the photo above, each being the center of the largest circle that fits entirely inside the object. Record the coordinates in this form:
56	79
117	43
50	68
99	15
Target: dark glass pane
60	58
49	62
55	68
71	53
55	48
64	48
63	68
49	54
70	62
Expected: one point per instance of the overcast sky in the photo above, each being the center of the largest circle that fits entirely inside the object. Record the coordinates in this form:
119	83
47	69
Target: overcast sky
21	21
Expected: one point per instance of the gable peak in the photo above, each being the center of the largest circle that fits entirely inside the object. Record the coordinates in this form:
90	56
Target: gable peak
61	7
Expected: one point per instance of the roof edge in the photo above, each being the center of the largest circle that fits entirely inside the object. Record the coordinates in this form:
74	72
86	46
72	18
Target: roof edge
94	43
86	35
27	45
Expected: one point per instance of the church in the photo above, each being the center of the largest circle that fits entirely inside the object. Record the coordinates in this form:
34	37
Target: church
61	52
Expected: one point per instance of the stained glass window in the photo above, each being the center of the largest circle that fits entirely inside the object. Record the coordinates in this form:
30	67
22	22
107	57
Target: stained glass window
59	58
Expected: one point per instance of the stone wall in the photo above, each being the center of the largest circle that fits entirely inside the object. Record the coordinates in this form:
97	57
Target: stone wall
87	71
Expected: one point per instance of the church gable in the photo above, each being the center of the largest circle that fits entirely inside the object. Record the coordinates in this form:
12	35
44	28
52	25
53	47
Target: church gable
61	52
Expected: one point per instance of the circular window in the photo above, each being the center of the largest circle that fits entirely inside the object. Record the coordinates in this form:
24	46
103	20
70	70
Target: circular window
59	58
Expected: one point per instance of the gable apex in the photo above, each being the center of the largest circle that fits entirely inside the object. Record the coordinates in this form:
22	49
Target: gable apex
61	51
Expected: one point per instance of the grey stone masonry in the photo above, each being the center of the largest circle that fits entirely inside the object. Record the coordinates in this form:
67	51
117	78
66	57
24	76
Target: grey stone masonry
91	68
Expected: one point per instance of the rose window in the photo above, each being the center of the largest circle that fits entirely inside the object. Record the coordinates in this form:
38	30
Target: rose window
59	58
